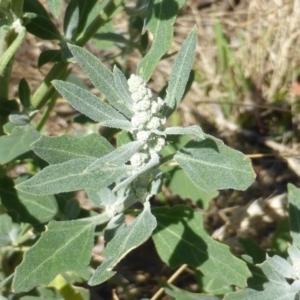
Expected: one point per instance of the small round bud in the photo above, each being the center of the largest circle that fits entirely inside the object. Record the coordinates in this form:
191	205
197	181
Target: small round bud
134	82
156	106
144	116
142	90
142	105
136	122
153	123
138	159
143	136
150	95
160	101
163	121
135	97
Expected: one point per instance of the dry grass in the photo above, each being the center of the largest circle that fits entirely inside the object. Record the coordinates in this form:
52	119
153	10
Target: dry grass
262	37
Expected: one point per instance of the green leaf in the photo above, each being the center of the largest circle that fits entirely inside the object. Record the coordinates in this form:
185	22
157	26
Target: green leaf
251	248
102	198
213	286
72	209
180	73
119	156
92	106
174	143
17	143
4	241
154	161
6	223
112	37
115	225
101	78
47	56
179	294
123	138
6	227
88	12
59	149
181	185
161	16
43	28
212	166
50	292
55	7
19	119
125	240
34	6
294	254
181	239
194	130
276	286
63	247
30	208
294	213
71	19
238	295
122	87
24	93
282	266
71	176
272	292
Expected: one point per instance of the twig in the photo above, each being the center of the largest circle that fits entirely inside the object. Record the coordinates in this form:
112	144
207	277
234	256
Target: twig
114	295
170	280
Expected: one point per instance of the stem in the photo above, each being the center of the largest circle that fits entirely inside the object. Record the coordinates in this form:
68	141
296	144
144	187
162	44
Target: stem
10	41
46	114
4	81
46	90
8	55
99	21
117	209
170	280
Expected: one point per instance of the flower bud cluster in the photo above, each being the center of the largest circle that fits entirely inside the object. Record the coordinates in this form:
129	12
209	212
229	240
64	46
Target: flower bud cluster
146	120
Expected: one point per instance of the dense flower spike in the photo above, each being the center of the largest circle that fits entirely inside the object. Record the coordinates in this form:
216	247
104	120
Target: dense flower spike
146	122
147	117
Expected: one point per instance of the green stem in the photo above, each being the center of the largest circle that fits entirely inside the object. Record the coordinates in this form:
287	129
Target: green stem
4	81
104	17
11	39
47	112
8	55
46	90
10	42
119	208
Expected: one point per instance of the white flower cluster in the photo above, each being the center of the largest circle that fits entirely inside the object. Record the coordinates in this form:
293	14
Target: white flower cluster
146	121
